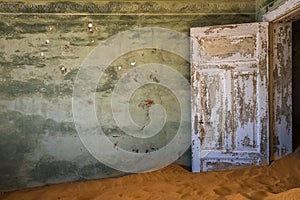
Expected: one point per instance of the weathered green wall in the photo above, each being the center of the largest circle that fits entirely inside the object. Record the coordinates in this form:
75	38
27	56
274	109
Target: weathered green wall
264	6
39	143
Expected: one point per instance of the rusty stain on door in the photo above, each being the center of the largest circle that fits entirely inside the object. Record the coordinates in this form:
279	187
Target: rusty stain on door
229	80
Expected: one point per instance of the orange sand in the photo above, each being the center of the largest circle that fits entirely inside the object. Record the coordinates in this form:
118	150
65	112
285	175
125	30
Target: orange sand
279	181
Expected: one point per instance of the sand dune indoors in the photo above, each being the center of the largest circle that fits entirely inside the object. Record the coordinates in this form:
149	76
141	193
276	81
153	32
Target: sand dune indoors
279	181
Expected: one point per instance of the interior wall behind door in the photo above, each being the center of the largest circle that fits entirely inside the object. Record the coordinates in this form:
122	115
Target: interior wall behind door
296	84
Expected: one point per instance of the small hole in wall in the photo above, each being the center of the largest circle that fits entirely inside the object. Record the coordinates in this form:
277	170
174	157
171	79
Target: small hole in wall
63	69
135	150
90	27
133	63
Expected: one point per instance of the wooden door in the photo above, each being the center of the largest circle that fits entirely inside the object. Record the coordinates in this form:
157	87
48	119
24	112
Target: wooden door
229	77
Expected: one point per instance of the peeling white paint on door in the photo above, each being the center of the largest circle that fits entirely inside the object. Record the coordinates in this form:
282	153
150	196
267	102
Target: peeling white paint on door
281	90
229	76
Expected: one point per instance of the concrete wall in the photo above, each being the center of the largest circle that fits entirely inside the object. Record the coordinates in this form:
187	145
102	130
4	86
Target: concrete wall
42	46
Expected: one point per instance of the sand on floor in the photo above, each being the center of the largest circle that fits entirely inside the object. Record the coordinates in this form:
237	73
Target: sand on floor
279	181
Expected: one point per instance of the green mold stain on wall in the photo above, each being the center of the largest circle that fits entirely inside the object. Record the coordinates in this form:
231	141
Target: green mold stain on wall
43	45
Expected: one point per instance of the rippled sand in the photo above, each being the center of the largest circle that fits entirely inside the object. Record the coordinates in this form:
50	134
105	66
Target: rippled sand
280	181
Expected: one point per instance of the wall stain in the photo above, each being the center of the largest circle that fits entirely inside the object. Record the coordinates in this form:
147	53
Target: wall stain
29	68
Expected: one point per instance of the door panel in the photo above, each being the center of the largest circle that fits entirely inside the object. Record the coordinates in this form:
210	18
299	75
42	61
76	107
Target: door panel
212	87
246	110
229	96
227	49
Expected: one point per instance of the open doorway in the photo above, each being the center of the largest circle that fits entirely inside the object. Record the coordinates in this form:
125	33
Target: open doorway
296	83
284	77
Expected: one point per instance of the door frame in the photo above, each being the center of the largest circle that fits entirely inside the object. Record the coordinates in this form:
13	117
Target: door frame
281	17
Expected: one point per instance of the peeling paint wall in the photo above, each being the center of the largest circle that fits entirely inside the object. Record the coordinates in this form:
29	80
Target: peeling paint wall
41	49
